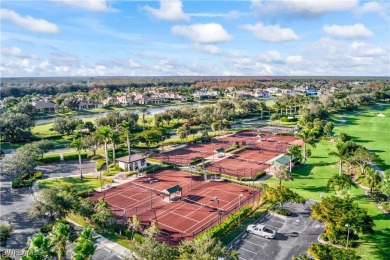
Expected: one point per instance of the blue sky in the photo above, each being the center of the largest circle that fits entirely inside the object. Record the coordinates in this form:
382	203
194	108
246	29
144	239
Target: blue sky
185	38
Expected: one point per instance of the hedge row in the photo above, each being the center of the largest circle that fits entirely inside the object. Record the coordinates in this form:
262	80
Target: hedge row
257	176
231	221
196	161
50	158
26	180
74	156
154	160
234	147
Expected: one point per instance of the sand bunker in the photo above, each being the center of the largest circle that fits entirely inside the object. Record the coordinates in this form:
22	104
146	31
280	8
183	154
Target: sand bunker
381	115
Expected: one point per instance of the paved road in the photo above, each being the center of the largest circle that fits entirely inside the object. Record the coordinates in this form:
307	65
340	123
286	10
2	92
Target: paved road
294	235
66	168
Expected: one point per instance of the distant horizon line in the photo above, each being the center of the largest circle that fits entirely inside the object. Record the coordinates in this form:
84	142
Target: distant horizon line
210	76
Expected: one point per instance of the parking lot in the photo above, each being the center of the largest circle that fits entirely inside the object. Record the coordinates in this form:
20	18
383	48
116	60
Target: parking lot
294	235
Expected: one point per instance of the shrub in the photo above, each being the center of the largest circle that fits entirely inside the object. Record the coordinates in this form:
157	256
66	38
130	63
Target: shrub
17	183
74	156
138	238
274	117
46	228
50	158
280	211
259	175
232	220
96	157
284	119
38	175
131	173
242	148
386	206
100	163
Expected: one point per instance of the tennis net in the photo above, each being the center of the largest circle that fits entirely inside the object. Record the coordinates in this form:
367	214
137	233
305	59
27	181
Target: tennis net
158	192
192	200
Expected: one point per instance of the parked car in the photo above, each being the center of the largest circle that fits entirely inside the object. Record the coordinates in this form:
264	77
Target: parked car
261	230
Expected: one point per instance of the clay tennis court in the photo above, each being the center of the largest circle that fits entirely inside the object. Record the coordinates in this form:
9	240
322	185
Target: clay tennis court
192	152
183	218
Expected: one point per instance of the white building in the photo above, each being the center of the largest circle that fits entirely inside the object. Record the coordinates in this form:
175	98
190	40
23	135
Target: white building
135	162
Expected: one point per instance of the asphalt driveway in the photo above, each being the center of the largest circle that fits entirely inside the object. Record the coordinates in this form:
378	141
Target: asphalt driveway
294	235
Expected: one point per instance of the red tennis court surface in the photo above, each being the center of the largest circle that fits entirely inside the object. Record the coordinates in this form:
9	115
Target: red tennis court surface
192	152
188	154
184	218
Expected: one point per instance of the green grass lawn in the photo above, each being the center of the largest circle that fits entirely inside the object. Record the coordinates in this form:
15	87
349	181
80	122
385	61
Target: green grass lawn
368	129
309	182
81	185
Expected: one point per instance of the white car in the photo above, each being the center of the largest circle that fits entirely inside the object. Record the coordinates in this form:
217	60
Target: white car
261	230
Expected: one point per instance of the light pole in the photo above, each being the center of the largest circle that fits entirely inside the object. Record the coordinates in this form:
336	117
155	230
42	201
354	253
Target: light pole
150	187
347	225
215	198
239	207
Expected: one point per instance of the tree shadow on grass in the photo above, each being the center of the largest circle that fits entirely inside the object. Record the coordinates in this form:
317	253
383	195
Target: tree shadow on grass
380	241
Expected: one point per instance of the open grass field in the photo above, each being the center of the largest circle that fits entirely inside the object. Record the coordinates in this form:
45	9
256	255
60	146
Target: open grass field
370	130
81	185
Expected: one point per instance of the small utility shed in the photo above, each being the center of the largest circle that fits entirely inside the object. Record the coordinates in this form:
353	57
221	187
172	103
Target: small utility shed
219	151
171	192
136	161
280	160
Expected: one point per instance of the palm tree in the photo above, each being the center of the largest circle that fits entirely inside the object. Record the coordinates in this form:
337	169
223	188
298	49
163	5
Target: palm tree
281	173
58	238
295	153
78	144
115	139
105	132
372	178
342	181
127	126
343	151
307	138
38	248
84	246
144	111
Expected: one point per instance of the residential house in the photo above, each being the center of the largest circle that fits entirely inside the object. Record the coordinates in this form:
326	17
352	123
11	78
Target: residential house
45	106
205	95
136	161
260	93
89	104
172	97
110	101
125	100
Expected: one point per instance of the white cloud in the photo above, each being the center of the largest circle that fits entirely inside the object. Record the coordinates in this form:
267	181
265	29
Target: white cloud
348	31
231	15
202	33
271	33
133	64
170	10
270	56
302	8
293	59
381	8
28	22
361	49
16	52
90	5
209	48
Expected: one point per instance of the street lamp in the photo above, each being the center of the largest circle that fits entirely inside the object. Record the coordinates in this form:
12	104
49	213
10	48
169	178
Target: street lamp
150	187
347	225
215	198
239	207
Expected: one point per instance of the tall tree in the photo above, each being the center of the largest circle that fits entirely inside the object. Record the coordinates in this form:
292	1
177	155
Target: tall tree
84	247
385	185
307	137
66	125
328	128
44	146
115	139
343	151
295	153
59	235
134	224
15	127
282	174
205	247
102	212
38	248
372	178
144	111
340	183
281	195
78	144
105	132
127	127
23	160
92	142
